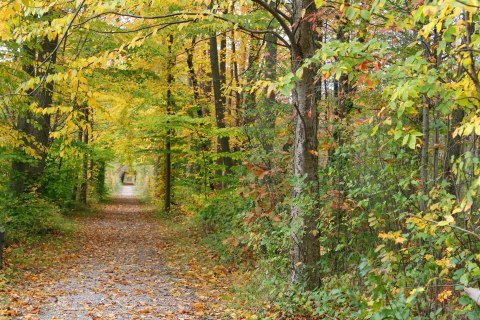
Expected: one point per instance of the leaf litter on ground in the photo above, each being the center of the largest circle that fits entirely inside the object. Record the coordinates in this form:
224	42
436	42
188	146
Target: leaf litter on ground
124	263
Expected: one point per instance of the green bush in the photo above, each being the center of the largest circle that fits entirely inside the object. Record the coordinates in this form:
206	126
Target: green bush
30	216
222	217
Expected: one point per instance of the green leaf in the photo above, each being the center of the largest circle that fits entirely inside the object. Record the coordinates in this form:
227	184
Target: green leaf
365	14
401	110
350	13
398	134
412	142
405	139
464	279
327	67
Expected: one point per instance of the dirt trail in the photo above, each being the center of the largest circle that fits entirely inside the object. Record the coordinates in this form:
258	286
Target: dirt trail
119	272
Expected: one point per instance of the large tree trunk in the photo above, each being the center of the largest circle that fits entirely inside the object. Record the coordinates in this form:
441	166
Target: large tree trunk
193	77
223	142
26	173
305	254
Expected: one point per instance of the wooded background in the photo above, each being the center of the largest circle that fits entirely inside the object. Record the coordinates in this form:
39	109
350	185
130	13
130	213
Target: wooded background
330	145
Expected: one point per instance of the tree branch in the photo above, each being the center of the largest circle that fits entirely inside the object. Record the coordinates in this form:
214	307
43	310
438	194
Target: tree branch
275	13
177	14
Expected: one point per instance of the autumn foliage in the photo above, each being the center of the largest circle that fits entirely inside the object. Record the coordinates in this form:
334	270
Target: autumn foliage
326	150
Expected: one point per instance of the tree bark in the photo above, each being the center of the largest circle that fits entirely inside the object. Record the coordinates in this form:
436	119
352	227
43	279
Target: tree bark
223	142
424	156
193	77
25	173
168	139
84	184
235	77
251	72
305	254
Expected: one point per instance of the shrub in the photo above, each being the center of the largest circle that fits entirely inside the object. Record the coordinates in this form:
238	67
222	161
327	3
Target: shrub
30	216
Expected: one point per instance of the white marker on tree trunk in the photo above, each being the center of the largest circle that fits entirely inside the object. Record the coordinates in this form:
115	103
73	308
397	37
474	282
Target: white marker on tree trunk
473	293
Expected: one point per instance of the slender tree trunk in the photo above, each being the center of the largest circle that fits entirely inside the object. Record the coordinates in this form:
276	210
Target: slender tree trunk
84	184
222	62
341	110
270	100
235	76
436	147
425	146
207	85
424	159
168	173
168	139
157	177
251	72
77	181
453	149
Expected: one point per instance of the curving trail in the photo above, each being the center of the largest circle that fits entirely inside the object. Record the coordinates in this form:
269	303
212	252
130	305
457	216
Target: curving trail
119	272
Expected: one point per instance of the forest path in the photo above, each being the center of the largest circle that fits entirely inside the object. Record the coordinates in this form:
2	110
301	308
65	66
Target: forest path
118	271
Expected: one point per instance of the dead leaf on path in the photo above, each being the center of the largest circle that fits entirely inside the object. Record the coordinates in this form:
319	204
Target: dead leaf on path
198	306
35	310
94	316
8	312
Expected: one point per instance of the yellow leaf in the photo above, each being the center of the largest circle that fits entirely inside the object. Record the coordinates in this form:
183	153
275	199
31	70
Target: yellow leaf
419	289
456	210
442	296
4	31
400	240
448	220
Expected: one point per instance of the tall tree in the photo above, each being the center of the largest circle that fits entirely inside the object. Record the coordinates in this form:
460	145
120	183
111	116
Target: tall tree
305	255
84	138
218	76
37	57
168	138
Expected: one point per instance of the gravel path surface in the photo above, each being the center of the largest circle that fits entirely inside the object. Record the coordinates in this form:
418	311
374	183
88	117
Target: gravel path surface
120	273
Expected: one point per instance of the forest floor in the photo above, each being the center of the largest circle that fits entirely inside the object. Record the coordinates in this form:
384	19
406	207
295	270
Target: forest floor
123	263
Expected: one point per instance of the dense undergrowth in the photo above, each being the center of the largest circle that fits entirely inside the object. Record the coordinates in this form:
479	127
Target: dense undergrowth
29	217
360	281
46	209
380	258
